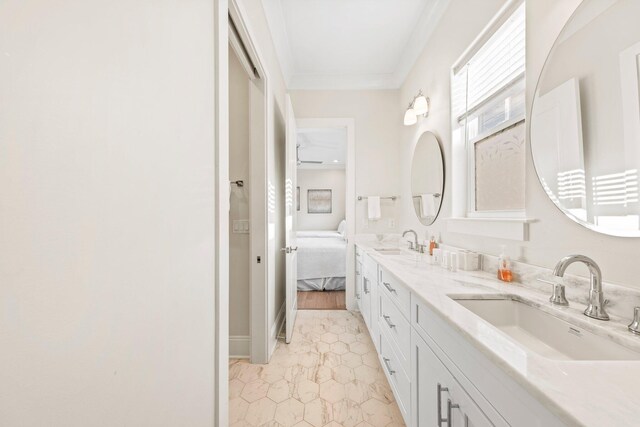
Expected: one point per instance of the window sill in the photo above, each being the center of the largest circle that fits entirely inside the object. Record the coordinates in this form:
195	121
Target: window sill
500	228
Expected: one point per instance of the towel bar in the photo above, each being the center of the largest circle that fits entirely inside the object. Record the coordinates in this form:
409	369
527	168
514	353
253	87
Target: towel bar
382	198
434	195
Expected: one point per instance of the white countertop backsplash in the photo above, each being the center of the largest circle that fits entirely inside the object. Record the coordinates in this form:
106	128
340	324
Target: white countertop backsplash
589	393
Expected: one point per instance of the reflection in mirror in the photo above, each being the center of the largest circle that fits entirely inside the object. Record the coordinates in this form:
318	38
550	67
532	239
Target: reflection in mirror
427	178
585	121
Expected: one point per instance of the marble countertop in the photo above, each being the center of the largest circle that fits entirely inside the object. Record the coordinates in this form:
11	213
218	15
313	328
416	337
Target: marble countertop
582	393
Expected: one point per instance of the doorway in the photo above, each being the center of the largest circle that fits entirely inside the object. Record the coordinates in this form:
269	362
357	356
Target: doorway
321	213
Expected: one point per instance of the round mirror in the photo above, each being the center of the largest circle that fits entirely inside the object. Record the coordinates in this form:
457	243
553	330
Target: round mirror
427	178
585	120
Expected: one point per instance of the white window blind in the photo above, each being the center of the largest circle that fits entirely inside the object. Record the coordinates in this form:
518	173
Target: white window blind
500	61
488	110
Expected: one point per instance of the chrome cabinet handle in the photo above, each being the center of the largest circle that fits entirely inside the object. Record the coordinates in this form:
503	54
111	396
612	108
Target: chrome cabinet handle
386	362
366	288
388	320
440	390
450	406
388	286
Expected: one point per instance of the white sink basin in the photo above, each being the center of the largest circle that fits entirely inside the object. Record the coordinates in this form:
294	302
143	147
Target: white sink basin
544	333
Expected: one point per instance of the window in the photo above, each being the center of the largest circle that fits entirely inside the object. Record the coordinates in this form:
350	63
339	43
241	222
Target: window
488	113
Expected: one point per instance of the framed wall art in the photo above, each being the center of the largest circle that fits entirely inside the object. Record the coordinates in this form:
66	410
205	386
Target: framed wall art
319	201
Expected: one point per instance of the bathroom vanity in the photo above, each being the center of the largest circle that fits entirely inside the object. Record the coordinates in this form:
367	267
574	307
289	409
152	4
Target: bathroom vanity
463	349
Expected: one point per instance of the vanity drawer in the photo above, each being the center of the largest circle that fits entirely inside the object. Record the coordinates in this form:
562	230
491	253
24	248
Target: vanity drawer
398	379
397	328
396	292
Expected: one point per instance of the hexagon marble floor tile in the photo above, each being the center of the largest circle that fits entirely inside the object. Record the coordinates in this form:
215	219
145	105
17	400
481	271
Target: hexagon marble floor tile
329	375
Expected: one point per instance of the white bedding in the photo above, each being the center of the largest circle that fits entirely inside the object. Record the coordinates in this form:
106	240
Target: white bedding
320	257
324	284
320	234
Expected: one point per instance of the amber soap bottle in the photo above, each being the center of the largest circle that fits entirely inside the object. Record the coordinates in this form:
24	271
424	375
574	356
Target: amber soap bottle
504	267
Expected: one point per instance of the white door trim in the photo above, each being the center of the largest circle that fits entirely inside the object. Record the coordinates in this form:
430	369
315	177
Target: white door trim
350	202
221	250
259	274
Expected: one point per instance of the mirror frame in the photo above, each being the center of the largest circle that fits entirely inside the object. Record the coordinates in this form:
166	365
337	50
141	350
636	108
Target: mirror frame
444	180
565	213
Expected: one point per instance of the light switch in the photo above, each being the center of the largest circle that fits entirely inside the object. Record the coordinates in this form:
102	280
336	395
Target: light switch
240	226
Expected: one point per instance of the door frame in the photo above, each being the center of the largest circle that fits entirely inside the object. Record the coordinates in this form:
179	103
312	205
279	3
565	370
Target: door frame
220	316
259	294
223	9
350	193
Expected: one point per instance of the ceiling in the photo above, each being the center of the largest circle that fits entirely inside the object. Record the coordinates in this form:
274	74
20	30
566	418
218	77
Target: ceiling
350	44
328	145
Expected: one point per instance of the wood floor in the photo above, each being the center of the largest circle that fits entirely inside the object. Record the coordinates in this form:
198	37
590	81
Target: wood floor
321	300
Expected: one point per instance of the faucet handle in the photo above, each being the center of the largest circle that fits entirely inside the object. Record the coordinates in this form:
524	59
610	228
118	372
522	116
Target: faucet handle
558	296
634	326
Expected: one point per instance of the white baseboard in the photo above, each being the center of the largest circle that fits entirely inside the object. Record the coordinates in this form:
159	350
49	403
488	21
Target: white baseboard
239	346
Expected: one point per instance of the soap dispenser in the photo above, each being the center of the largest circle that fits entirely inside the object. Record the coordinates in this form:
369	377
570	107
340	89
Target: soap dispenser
432	244
504	266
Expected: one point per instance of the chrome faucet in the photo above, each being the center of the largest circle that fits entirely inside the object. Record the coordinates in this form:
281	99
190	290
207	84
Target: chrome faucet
595	309
412	245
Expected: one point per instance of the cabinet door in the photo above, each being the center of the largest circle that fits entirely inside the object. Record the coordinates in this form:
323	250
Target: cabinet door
359	284
375	310
437	398
365	298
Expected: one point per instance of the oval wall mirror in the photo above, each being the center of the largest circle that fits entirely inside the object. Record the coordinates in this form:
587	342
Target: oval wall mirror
427	178
585	119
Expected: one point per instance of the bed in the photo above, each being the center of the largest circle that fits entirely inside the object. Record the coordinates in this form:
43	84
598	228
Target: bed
322	260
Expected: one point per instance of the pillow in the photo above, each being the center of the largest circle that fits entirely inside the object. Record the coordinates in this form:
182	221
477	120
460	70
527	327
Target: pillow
342	228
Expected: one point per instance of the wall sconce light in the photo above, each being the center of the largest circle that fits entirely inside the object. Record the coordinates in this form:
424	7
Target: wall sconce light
419	106
410	117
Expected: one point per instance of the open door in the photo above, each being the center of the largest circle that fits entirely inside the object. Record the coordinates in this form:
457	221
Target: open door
290	222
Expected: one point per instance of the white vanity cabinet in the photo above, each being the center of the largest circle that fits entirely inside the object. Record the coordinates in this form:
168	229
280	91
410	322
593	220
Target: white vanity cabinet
437	376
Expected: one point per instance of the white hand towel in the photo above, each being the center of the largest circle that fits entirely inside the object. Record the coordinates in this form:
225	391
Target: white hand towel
374	207
427	206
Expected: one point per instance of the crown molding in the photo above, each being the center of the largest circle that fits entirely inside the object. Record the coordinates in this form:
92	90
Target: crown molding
420	35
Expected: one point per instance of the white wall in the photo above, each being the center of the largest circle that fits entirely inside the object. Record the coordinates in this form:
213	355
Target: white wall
108	185
238	170
552	235
377	126
322	179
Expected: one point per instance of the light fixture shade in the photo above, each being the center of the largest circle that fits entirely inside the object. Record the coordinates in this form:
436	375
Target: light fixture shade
410	117
420	105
